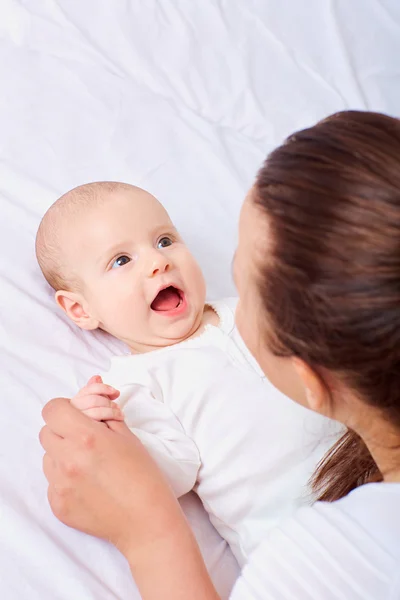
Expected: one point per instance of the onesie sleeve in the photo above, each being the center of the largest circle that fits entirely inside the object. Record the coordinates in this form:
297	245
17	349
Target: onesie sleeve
161	432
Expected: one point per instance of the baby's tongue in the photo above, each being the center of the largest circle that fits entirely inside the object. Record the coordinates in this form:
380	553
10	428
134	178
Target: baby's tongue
166	300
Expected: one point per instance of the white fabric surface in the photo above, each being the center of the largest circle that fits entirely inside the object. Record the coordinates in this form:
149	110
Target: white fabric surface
183	98
213	422
347	550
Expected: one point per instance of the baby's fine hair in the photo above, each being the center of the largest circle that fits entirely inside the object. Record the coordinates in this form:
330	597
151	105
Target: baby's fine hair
49	243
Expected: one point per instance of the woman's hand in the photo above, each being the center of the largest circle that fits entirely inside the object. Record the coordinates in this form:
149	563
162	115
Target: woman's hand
101	478
103	481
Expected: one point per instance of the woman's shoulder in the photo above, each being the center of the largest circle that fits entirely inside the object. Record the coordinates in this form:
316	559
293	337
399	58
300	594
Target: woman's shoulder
345	549
368	518
374	505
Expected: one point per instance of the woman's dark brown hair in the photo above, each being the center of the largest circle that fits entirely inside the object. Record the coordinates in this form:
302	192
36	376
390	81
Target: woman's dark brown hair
331	284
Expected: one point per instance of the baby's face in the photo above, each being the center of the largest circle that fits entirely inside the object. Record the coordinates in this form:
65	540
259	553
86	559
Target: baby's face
140	282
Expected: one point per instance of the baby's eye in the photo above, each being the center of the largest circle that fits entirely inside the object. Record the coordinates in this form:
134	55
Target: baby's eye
120	261
164	242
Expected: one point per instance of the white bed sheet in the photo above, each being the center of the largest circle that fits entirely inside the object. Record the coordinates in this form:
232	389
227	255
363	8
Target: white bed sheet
183	98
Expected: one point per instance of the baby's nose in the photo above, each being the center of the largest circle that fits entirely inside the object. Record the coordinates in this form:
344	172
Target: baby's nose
159	265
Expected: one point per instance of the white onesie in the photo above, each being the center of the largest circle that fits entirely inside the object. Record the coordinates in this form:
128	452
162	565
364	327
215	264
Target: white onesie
213	422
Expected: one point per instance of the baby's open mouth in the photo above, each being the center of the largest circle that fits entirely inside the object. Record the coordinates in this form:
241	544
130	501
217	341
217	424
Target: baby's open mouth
167	299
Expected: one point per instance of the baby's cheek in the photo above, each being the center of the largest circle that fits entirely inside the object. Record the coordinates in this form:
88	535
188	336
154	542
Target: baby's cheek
200	285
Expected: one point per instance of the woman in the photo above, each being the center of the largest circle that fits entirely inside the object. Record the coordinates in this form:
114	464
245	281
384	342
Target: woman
318	275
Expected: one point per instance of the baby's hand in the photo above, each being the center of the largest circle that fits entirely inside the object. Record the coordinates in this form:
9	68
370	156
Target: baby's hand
96	401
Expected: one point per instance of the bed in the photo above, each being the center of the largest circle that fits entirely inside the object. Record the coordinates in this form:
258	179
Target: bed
183	98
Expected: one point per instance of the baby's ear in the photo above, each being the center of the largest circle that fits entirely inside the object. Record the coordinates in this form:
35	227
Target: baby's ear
72	304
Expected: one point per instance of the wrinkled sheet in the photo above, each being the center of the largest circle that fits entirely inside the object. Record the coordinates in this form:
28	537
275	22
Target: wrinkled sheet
182	98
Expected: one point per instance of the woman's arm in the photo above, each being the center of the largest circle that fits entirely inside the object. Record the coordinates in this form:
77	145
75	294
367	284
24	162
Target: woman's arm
102	481
172	567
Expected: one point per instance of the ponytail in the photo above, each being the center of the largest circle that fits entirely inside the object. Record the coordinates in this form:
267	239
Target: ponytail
346	466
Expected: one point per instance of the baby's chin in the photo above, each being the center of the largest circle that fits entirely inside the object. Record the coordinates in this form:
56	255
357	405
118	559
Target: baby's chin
167	334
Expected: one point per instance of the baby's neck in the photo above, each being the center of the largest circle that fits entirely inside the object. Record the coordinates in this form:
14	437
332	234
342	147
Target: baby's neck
209	317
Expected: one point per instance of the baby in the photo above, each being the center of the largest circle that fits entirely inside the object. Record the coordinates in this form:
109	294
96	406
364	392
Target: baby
188	387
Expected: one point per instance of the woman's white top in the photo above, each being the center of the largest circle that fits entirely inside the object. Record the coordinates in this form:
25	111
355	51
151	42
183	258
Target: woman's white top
347	550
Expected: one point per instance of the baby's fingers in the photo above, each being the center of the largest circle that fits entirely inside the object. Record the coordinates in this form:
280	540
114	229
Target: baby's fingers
105	413
95	379
91	401
99	389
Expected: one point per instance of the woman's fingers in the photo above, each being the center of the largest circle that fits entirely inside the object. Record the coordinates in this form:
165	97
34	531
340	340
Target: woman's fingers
49	440
119	427
49	469
105	413
66	420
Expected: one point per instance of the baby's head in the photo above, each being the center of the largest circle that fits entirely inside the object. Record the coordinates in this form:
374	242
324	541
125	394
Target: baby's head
116	262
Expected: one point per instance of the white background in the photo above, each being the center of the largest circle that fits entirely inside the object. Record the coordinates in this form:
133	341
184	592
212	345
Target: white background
184	98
